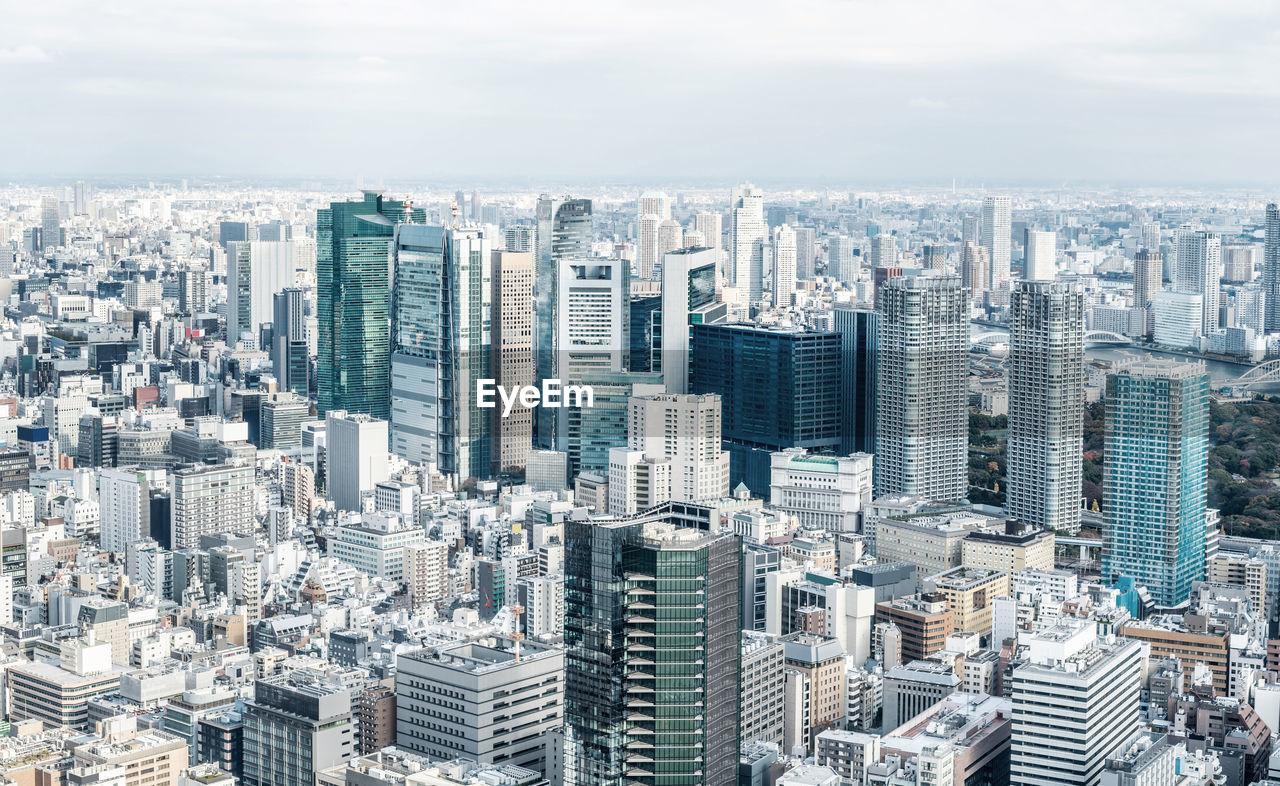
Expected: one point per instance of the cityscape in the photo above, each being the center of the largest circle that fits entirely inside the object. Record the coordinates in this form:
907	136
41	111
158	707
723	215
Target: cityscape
577	455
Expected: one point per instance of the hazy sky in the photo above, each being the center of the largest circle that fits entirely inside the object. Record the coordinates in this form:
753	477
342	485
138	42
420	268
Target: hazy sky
836	92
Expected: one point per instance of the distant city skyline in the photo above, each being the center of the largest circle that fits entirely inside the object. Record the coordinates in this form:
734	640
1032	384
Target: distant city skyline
986	92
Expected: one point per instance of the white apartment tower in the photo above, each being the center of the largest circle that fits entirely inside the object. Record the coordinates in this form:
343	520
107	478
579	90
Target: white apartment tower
784	265
1042	255
1199	272
708	224
747	234
922	406
124	508
1046	400
647	245
996	237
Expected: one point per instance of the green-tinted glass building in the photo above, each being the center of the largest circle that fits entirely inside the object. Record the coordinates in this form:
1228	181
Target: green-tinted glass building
353	279
652	677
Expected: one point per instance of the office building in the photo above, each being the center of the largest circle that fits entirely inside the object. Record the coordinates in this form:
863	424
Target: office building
376	544
688	298
494	701
673	453
443	346
647	244
709	225
1046	404
593	310
801	410
290	354
922	437
143	757
564	230
280	419
1154	477
1237	263
355	457
968	592
294	727
859	333
914	688
58	696
124	508
1014	548
815	687
762	688
975	270
256	271
1041	261
1176	319
842	264
212	499
640	689
512	303
353	295
747	235
924	621
1075	702
1199	272
821	491
50	222
595	430
784	265
997	237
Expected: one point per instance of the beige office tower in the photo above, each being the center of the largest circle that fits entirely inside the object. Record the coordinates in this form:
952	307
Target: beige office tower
426	571
513	356
299	488
710	225
975	269
647	243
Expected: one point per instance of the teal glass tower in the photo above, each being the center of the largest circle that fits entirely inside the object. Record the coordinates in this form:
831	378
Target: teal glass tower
1154	477
353	283
652	676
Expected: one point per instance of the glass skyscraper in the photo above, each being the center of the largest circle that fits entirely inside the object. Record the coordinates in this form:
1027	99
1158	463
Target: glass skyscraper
858	329
780	389
353	283
1154	477
564	230
652	676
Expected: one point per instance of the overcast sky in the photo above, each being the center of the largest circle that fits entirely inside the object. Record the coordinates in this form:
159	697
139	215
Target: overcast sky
810	90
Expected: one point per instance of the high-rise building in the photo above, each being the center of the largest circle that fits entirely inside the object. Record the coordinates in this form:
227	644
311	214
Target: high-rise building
211	499
647	243
462	681
975	269
806	253
688	298
512	303
841	263
800	409
1041	255
295	727
922	406
564	230
443	346
193	290
682	434
256	271
520	237
1148	276
1237	263
708	224
1075	702
884	250
649	699
1271	267
656	203
353	283
747	235
50	221
124	503
670	237
1199	272
935	258
784	265
1046	401
592	332
997	237
290	353
859	334
1154	477
825	492
355	456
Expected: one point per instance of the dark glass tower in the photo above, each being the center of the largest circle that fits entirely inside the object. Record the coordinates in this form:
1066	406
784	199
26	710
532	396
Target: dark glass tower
857	328
564	230
780	389
652	677
289	341
353	282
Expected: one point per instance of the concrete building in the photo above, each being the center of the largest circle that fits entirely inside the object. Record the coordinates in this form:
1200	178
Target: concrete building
355	456
294	727
673	453
821	491
493	701
1016	547
969	592
763	696
513	355
211	499
817	663
924	621
914	688
376	544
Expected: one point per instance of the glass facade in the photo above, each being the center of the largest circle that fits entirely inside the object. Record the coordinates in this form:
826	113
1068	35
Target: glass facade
353	283
564	230
1154	477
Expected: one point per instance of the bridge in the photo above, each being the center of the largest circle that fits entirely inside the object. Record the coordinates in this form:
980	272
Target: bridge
1262	374
1092	337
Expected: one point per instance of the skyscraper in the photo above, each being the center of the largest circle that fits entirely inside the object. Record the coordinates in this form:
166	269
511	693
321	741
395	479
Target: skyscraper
935	257
708	224
859	334
922	406
353	283
806	253
355	456
255	272
784	265
1148	276
672	453
688	298
651	698
647	242
50	221
512	355
975	269
1199	272
656	203
1154	476
564	230
997	237
841	263
289	356
670	237
1042	255
443	345
1271	268
1046	397
747	235
884	250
